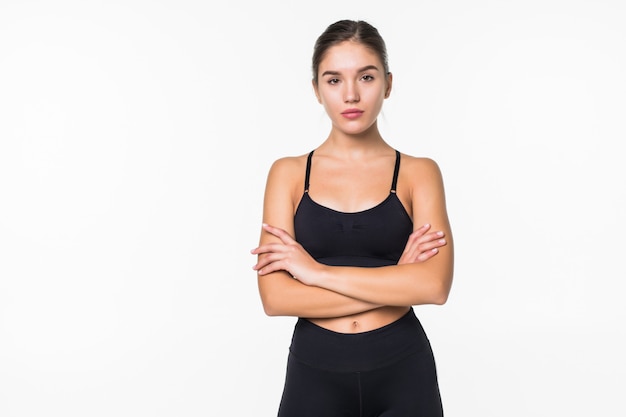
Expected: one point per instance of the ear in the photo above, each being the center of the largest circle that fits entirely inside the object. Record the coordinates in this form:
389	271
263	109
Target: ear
316	91
389	80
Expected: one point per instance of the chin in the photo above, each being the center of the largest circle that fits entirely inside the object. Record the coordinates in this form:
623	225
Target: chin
354	129
359	131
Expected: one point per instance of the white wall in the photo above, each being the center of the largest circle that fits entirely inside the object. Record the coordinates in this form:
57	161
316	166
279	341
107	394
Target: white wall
135	137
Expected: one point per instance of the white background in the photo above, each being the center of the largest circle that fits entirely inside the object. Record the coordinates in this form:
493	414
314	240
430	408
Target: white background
135	137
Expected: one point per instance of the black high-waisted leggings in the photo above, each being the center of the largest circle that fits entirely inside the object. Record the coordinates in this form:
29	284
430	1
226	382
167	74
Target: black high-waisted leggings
387	372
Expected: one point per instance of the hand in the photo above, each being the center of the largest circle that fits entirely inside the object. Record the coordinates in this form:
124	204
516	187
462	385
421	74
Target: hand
422	246
286	255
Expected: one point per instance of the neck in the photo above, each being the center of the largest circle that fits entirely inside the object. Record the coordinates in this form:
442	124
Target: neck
352	146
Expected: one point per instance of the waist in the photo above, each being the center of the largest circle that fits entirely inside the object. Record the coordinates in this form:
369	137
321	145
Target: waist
346	352
362	322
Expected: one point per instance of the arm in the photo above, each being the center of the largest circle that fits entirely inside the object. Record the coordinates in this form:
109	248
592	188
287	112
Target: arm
397	285
414	283
282	295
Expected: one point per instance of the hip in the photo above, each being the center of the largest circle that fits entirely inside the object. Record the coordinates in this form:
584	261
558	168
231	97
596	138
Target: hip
327	349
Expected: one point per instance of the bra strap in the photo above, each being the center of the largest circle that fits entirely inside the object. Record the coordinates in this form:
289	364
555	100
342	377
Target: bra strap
308	172
394	183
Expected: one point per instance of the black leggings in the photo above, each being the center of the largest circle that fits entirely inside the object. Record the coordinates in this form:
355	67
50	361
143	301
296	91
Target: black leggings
387	372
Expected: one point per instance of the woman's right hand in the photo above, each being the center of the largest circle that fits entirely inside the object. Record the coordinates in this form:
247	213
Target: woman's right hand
287	255
422	245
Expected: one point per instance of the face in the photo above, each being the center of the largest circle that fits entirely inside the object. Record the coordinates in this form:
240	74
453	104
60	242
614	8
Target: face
352	86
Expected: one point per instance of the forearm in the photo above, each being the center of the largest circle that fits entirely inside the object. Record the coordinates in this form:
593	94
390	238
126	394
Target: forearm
282	295
397	285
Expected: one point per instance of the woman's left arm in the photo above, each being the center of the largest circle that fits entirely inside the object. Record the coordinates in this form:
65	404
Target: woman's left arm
426	282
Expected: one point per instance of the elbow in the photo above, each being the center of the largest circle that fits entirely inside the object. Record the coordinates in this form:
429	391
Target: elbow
268	301
270	311
441	289
440	298
439	294
444	292
274	298
432	285
434	296
268	308
271	306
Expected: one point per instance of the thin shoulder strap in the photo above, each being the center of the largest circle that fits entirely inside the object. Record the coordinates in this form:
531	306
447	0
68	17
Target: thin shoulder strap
308	172
394	183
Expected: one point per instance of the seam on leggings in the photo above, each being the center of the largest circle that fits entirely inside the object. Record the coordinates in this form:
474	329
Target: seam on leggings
358	377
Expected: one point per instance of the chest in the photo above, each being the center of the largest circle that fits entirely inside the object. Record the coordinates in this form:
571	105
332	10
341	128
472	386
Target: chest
372	237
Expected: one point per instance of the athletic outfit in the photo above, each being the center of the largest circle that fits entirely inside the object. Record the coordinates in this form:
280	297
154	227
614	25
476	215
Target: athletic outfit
385	372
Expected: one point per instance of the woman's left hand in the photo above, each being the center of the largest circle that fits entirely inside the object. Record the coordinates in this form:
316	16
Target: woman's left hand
421	246
286	255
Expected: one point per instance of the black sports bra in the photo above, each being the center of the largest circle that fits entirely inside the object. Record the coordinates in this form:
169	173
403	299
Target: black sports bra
373	237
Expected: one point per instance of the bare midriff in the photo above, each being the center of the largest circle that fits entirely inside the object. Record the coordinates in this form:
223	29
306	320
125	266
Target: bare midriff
362	322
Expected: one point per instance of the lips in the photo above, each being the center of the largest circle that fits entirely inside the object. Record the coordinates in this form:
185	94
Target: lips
352	113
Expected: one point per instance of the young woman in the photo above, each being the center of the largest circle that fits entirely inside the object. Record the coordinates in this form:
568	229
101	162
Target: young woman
354	234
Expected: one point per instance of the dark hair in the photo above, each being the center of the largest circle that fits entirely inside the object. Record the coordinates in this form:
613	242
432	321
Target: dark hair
349	30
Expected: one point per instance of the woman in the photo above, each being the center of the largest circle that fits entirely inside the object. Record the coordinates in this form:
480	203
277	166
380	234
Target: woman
339	249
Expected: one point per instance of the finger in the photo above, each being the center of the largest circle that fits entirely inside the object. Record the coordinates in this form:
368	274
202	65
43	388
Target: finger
432	244
418	242
424	256
419	237
420	231
410	248
430	236
270	267
278	232
267	248
269	263
420	251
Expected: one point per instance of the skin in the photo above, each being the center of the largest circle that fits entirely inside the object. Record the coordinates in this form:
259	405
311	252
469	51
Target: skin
351	171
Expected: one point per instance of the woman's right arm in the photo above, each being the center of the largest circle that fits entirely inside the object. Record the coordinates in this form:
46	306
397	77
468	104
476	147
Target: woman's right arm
281	294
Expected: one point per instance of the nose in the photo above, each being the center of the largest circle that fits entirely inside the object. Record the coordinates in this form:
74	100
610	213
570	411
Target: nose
351	93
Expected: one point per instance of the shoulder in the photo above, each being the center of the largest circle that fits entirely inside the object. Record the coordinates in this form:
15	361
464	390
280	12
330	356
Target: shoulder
286	164
422	179
288	168
423	168
285	178
283	190
425	190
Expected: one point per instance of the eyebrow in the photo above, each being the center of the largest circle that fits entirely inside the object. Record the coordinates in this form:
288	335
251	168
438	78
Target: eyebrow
365	68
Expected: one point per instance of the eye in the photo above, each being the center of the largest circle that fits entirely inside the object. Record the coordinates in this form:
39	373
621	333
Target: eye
367	77
333	81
